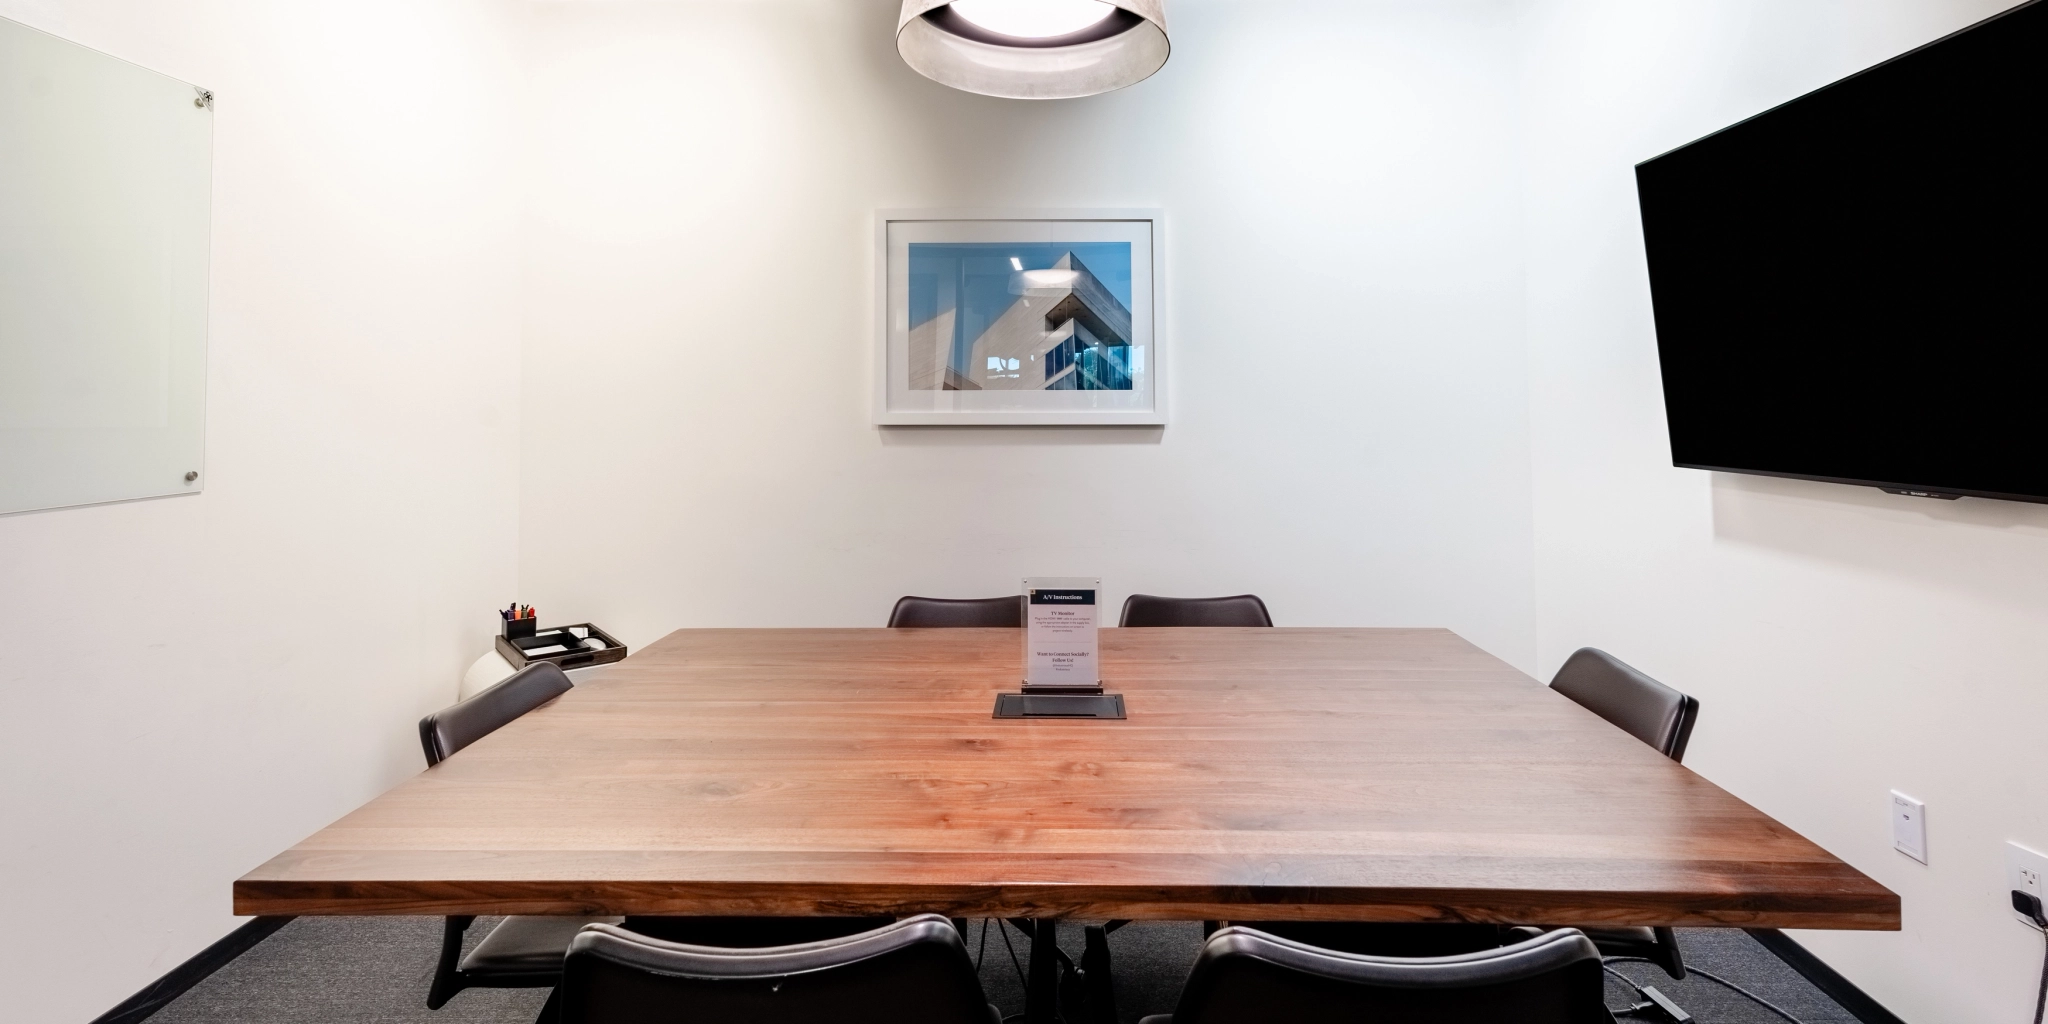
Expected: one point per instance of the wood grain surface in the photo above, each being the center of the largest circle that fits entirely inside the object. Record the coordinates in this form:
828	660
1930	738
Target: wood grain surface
1311	774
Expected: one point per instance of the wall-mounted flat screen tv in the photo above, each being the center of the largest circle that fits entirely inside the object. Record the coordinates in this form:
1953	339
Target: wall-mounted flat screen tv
1853	286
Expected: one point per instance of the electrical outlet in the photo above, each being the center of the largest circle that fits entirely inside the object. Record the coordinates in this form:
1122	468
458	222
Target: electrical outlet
2024	870
1909	826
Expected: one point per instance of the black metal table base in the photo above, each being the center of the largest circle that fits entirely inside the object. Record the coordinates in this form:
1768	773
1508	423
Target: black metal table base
1042	988
1093	998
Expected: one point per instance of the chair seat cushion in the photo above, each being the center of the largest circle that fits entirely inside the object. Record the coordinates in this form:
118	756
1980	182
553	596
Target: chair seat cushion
524	945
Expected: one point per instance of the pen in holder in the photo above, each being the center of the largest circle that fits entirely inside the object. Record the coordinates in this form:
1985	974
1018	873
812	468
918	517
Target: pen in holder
519	621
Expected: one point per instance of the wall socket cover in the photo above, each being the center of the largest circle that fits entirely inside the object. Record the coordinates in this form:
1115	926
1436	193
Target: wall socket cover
2024	870
1909	826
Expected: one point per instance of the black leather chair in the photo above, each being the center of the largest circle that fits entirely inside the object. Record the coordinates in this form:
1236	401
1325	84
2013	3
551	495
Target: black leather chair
1144	610
1641	706
1659	716
968	613
452	728
522	951
1420	939
1246	976
916	969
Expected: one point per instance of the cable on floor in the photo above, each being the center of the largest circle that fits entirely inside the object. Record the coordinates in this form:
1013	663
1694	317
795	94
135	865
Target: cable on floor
2041	1001
982	948
1715	978
1645	1003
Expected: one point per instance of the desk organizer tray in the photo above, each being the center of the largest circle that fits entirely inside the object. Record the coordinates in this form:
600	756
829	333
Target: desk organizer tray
562	647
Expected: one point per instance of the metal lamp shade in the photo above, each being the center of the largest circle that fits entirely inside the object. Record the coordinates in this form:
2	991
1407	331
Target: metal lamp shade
1034	71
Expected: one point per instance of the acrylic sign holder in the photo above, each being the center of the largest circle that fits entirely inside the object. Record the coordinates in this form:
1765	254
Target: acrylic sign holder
1060	654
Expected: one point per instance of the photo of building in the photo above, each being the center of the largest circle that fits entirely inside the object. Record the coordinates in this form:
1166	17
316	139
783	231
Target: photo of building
1033	317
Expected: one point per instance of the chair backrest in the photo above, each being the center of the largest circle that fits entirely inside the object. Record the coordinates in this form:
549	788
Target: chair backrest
914	969
1639	705
1245	976
454	727
1391	938
1147	610
983	612
748	932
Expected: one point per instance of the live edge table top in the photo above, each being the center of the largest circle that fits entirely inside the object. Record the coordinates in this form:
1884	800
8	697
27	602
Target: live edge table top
1308	774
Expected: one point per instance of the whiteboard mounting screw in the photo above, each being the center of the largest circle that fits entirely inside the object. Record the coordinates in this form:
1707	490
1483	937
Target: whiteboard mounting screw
191	476
204	99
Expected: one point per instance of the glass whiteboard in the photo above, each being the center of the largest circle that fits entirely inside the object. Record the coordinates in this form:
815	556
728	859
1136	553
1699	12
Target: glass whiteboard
105	180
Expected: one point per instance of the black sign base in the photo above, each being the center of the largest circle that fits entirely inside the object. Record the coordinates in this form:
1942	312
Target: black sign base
1059	705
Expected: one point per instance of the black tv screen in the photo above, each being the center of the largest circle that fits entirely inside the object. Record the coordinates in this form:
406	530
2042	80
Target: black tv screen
1852	286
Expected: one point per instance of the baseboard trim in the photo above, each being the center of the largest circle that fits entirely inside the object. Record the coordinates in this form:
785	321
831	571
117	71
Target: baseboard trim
159	993
1843	991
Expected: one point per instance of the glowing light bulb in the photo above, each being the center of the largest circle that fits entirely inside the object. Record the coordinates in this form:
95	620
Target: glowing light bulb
1033	19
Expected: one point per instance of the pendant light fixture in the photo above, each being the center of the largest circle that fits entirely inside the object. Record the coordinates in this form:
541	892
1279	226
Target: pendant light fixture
1034	49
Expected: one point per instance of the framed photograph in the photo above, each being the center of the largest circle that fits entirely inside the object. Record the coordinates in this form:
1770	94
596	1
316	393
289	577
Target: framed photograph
1019	317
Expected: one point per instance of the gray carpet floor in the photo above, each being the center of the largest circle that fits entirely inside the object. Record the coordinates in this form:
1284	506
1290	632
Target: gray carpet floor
375	971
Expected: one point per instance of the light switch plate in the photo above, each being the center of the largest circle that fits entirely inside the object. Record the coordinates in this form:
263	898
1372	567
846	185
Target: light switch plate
2024	870
1909	826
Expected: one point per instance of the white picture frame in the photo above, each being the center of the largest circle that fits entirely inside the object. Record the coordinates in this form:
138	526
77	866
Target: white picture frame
1008	317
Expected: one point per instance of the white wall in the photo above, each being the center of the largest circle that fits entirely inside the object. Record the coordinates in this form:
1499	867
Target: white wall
177	707
1349	419
1843	642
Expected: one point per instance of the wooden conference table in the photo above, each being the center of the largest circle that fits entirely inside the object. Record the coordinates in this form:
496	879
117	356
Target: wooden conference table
1305	774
